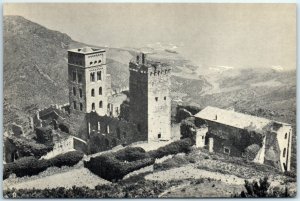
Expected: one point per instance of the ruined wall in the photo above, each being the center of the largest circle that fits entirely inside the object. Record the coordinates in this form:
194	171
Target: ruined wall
107	132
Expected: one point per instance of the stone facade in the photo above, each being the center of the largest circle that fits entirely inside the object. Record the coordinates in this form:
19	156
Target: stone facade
88	88
150	101
253	138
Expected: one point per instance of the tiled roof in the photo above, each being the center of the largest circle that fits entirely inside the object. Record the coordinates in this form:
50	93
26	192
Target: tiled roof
235	119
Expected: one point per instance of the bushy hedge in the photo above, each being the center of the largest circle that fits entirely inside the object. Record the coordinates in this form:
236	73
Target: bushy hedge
114	166
180	146
110	168
29	166
131	154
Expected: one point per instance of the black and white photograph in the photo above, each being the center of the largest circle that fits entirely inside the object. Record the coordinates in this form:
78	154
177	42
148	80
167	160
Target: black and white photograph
149	100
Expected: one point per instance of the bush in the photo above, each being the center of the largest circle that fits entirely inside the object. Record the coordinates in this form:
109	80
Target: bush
176	161
180	146
67	159
28	166
110	168
44	135
131	154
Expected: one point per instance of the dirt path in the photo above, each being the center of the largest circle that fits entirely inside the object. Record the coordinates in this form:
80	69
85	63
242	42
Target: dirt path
76	177
190	171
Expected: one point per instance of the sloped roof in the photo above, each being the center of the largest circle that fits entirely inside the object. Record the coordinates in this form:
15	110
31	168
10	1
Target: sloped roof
235	119
86	50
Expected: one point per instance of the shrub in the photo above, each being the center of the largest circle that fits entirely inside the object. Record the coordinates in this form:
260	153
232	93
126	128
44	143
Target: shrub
176	161
131	154
180	146
28	166
110	168
44	135
67	159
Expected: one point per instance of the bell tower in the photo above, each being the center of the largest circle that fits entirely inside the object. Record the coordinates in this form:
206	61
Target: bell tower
87	78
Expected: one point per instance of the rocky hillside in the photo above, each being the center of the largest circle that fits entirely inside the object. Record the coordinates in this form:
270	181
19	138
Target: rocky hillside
35	67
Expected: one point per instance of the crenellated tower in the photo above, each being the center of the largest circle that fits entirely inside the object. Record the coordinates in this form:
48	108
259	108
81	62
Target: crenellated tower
150	100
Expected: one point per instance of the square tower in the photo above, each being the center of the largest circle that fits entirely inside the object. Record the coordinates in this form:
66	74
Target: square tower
88	89
150	100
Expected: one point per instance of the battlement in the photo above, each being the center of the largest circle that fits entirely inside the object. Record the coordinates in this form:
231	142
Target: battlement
143	64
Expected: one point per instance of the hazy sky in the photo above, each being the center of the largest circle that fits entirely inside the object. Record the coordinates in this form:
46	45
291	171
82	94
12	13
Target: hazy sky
238	35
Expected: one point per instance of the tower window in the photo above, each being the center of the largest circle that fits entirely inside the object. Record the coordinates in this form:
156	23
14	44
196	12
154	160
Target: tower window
165	98
95	62
92	77
99	75
100	104
80	93
79	77
99	61
156	98
159	136
93	92
74	105
283	154
137	59
100	90
91	63
285	136
93	106
74	76
81	107
74	91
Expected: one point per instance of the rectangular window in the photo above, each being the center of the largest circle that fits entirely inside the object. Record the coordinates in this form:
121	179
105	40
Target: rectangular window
79	78
99	77
159	136
283	154
165	98
74	104
74	76
92	77
156	98
81	107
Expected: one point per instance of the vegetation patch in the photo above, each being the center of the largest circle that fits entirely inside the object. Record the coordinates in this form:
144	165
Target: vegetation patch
28	166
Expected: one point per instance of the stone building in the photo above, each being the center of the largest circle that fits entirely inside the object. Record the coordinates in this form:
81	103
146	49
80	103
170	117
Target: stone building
150	102
257	139
88	82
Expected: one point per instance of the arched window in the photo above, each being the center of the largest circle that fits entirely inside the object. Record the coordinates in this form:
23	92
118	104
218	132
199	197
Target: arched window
80	93
95	62
93	92
100	104
74	105
283	154
81	106
91	63
165	98
99	77
100	90
74	91
285	136
79	78
99	61
92	77
93	106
